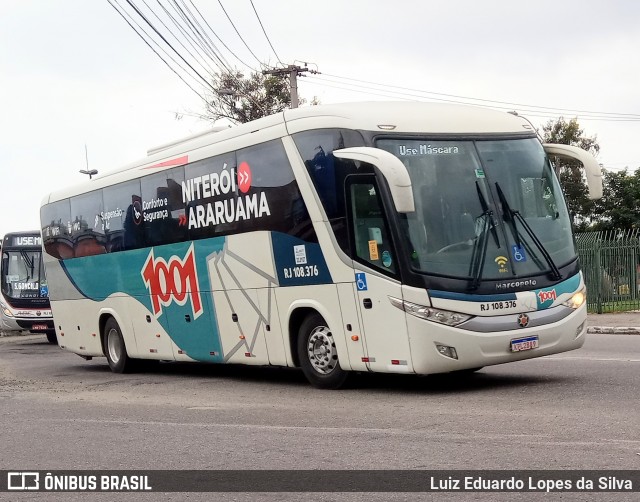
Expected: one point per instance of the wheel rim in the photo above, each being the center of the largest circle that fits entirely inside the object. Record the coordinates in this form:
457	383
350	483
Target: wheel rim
321	350
113	346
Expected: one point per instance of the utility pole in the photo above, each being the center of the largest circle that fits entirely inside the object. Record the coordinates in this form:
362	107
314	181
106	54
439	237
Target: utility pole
293	71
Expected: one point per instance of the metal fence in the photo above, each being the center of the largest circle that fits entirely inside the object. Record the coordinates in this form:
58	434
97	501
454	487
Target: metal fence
611	267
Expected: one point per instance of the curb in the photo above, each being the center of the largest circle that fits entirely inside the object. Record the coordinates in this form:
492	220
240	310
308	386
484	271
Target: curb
606	330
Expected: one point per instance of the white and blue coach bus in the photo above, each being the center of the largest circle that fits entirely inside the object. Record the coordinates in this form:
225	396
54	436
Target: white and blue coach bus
369	237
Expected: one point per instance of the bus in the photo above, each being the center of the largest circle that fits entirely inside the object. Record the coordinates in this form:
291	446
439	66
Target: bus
24	294
389	237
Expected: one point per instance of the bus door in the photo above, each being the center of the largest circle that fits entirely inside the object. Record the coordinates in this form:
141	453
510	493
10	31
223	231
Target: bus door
376	278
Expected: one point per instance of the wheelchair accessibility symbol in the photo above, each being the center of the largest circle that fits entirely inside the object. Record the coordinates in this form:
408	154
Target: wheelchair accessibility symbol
361	281
518	253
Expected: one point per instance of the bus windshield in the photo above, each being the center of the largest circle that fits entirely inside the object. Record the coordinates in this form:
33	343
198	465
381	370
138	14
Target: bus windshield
21	273
485	209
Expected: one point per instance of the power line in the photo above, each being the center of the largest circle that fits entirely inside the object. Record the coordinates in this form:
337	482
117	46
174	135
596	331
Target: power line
220	40
234	27
265	33
139	12
154	50
203	60
194	36
192	31
591	115
389	94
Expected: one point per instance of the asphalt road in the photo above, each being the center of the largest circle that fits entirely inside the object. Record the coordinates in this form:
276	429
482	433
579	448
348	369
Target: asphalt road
577	410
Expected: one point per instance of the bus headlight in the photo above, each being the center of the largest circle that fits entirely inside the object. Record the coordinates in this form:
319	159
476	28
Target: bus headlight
5	310
576	301
430	314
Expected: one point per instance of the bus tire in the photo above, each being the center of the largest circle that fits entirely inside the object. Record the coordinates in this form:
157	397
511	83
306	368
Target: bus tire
52	337
115	349
318	355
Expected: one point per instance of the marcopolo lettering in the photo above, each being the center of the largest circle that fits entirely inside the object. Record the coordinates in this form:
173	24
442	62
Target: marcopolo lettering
516	284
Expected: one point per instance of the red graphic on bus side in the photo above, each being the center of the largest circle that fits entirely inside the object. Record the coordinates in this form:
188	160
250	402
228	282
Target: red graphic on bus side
244	177
175	280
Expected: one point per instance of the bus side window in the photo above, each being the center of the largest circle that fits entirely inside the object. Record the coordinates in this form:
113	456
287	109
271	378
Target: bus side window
371	239
87	224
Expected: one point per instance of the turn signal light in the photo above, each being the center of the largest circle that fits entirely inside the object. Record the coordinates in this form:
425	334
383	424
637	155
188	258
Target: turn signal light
447	351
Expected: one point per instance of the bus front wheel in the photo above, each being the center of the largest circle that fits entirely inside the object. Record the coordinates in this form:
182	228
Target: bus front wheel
318	355
115	349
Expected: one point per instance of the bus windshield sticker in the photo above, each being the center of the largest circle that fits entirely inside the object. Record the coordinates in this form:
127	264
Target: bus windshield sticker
518	253
386	259
373	250
502	264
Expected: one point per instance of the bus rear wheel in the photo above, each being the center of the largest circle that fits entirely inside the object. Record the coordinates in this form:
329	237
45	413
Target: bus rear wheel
318	355
115	349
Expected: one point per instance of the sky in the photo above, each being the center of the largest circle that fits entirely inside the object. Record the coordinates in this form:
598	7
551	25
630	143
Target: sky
79	88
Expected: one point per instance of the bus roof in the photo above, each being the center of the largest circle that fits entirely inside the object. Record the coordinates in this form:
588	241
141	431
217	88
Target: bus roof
376	116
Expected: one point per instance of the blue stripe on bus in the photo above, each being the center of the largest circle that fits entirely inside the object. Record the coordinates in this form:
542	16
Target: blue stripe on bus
546	297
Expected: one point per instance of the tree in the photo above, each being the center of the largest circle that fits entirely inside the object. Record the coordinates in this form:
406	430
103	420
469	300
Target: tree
569	172
242	99
619	207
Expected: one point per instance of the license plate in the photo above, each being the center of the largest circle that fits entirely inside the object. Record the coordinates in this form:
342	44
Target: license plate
520	344
39	327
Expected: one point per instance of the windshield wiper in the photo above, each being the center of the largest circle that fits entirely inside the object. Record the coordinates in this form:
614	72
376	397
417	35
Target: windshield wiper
28	261
513	215
488	213
480	247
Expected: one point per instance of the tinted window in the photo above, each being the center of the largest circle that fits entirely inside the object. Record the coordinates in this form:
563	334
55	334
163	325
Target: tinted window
208	198
22	273
370	233
122	218
210	194
280	203
164	219
253	190
328	173
87	230
56	229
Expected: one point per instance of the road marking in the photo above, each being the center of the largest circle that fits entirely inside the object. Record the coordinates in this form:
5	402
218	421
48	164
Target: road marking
591	358
422	432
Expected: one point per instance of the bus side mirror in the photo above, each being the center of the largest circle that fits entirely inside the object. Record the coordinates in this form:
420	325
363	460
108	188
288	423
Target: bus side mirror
391	168
591	167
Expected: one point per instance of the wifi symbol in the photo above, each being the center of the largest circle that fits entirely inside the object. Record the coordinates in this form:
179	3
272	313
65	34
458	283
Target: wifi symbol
501	261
